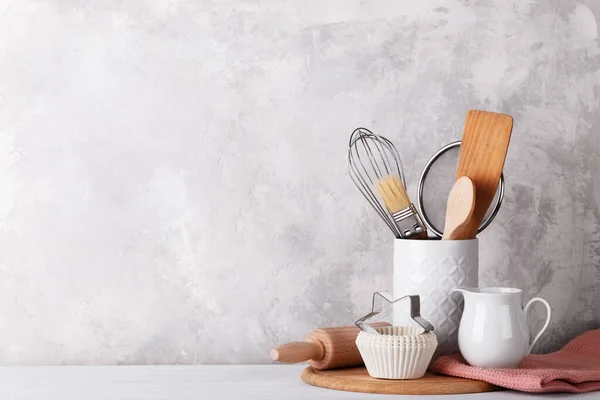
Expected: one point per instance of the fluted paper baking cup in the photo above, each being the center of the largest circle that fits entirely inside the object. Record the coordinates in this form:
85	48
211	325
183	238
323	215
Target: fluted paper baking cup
399	352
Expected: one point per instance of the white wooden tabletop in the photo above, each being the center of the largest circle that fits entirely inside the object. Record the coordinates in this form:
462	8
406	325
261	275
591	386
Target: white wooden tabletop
200	382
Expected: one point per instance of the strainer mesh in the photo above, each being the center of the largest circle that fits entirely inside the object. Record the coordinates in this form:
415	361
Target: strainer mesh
437	183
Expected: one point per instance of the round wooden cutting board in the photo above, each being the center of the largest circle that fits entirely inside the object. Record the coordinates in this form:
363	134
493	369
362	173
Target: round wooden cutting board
358	380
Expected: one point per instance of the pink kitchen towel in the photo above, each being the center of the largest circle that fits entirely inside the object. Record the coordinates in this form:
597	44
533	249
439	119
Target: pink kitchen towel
575	368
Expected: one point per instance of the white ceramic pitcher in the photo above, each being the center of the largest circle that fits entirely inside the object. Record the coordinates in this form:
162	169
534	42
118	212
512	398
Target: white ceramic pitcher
493	332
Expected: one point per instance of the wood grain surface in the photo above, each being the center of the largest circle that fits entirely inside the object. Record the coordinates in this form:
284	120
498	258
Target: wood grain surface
358	380
460	207
296	352
325	348
482	153
340	347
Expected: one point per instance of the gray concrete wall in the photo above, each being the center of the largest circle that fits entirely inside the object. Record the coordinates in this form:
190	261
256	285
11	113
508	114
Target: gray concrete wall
173	179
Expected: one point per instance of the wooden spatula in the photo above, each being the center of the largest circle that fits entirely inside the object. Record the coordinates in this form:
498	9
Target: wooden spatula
461	204
481	158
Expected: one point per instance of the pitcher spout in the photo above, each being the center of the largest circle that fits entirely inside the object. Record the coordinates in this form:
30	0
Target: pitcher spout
464	290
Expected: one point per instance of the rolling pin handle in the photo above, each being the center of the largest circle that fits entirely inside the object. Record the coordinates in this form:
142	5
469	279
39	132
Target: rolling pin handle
296	352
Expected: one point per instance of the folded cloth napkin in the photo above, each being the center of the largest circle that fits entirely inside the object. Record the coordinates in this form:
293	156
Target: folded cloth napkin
575	368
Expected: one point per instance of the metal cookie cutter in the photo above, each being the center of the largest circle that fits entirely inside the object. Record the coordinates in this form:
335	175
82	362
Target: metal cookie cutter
415	312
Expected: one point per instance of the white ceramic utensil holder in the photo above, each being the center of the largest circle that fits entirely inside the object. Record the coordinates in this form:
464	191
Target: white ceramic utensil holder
431	269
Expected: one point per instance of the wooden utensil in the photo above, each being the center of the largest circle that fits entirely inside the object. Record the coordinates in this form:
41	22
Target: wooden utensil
358	380
482	153
461	203
326	348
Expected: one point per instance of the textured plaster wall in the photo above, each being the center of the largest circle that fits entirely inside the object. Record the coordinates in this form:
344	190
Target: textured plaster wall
172	173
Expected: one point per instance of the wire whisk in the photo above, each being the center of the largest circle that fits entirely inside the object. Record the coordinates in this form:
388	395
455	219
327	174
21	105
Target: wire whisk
374	163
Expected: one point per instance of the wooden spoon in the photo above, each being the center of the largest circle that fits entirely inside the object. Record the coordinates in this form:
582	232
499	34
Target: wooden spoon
482	153
460	207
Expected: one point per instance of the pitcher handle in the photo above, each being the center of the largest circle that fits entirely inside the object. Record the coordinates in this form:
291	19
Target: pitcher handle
548	317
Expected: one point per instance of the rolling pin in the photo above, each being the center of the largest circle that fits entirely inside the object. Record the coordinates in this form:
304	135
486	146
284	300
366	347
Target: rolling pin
326	348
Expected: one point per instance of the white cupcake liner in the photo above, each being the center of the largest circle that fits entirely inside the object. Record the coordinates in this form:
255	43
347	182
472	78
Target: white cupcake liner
399	352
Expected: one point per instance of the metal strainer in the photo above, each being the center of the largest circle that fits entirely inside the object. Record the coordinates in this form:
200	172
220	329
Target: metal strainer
435	184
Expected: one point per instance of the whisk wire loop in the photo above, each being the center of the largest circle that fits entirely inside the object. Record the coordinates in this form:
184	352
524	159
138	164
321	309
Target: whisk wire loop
372	159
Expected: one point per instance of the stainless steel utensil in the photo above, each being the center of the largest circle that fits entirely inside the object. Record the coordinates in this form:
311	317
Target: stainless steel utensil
415	311
373	162
435	184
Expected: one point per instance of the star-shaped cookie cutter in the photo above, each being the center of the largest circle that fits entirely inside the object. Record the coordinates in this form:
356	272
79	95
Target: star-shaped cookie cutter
415	312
